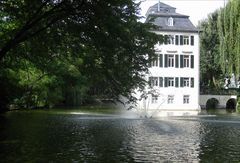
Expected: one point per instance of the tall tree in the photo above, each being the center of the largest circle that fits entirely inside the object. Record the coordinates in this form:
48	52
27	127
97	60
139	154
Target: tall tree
229	28
101	43
209	51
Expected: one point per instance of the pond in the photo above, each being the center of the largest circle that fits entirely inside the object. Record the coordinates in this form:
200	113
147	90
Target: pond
33	136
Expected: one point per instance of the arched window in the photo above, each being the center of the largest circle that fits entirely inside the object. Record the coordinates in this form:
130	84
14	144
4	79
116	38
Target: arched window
170	21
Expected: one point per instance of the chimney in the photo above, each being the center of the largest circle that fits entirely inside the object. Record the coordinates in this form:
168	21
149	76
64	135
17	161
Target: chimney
158	6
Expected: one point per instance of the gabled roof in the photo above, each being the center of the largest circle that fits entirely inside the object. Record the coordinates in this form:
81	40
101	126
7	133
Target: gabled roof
159	14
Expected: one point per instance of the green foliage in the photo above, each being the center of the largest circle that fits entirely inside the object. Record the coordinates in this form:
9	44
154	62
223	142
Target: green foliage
64	52
229	28
209	52
220	45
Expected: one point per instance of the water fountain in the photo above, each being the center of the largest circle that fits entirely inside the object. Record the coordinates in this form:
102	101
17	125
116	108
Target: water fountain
142	107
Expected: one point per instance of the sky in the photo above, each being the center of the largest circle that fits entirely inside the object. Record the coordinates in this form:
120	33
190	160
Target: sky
196	9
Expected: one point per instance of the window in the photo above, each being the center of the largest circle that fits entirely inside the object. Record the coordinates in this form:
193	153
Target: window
166	10
186	61
153	81
170	82
186	99
154	63
154	99
170	99
185	82
170	21
170	60
185	40
171	39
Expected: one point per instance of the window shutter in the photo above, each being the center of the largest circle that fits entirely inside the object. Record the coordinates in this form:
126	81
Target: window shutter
181	82
192	82
176	61
161	60
181	40
192	61
166	39
155	81
192	40
176	40
181	61
156	60
166	60
150	81
160	81
176	82
149	63
165	82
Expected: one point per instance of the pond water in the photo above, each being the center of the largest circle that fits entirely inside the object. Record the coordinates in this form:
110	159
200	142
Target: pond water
48	137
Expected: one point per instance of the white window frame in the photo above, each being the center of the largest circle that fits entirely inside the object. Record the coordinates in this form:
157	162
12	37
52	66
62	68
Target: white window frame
170	99
154	99
186	82
171	39
154	63
170	21
186	61
171	60
170	82
185	40
186	99
153	81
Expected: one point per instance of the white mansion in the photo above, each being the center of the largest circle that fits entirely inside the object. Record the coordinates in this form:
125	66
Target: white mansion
174	74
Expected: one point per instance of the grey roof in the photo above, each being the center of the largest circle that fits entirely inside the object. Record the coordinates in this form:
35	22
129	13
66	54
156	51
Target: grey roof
163	8
159	15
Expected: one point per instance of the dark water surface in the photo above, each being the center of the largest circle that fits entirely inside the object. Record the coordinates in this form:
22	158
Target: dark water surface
44	137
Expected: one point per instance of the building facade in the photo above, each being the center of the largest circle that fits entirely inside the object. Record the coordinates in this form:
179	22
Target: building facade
174	73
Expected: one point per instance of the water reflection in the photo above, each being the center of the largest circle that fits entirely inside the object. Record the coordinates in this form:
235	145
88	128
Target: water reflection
220	139
41	137
166	141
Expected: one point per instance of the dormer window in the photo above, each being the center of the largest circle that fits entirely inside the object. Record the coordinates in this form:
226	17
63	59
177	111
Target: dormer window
170	21
166	10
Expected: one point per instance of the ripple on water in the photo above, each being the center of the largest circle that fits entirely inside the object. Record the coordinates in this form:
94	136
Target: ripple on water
101	138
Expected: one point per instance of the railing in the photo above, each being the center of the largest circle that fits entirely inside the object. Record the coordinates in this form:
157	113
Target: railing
230	91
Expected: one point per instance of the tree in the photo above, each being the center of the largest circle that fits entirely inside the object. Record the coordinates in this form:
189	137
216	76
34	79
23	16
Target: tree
229	28
22	20
209	51
220	45
98	47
